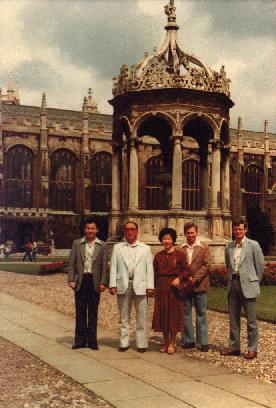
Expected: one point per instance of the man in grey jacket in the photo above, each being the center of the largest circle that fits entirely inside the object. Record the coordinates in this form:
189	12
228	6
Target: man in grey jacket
87	276
245	266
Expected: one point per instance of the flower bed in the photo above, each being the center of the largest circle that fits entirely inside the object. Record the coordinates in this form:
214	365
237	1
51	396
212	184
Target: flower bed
51	267
218	276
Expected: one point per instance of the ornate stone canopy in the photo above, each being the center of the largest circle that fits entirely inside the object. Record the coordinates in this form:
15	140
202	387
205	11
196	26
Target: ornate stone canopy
170	67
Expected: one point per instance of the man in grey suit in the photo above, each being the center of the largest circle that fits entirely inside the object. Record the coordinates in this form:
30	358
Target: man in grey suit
245	266
132	279
87	276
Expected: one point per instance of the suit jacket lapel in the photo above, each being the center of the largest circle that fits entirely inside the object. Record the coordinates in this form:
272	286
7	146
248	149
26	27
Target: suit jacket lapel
124	254
231	253
195	253
97	248
140	251
244	250
82	250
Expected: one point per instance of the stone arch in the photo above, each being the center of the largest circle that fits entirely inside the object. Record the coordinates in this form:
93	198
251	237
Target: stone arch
201	116
158	114
26	146
55	149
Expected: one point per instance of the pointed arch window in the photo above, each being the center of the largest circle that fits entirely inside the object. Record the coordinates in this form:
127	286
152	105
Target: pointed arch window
62	180
19	177
191	185
253	178
156	184
101	182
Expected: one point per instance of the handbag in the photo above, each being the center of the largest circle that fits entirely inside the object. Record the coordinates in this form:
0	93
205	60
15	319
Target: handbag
184	287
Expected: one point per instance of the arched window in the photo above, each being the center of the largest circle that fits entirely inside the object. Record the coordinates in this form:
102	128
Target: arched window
101	182
157	184
191	185
252	185
19	177
62	181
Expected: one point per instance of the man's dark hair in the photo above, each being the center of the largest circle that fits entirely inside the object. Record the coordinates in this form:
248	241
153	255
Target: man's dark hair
90	220
130	222
167	231
188	225
238	221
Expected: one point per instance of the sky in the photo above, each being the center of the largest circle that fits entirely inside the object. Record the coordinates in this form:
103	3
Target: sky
64	47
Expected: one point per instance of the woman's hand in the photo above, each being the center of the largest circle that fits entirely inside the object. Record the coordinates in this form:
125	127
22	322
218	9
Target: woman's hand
175	282
192	280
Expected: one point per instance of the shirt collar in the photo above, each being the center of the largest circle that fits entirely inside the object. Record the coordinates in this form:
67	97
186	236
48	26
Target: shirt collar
241	244
135	244
197	243
96	240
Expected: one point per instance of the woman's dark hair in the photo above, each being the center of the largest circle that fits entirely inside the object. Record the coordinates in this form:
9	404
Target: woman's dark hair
167	231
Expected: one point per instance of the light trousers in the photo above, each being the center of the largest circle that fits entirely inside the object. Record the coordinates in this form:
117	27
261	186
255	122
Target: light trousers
140	302
199	299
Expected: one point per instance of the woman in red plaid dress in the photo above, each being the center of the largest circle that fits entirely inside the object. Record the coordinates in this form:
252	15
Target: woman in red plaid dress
170	268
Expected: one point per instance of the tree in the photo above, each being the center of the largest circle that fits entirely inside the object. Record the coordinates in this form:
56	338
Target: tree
260	229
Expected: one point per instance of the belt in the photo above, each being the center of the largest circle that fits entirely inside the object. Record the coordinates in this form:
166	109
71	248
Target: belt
236	276
169	275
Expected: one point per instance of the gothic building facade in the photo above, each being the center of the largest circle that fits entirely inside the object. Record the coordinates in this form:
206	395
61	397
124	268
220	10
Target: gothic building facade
167	155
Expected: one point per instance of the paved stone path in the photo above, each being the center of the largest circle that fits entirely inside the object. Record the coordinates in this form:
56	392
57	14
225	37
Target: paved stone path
130	379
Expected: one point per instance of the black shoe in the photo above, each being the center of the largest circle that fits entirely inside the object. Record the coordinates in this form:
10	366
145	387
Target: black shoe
121	349
142	349
93	346
78	346
230	352
188	346
204	348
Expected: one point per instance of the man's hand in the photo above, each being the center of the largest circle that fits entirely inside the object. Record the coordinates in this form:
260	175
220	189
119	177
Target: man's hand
150	292
101	287
72	285
113	291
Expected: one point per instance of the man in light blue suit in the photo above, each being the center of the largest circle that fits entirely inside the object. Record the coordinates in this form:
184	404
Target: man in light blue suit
132	279
245	266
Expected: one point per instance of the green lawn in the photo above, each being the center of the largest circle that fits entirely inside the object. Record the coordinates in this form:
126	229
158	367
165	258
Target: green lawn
266	303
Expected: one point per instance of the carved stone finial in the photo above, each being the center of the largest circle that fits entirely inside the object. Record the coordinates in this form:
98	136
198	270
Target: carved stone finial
43	102
170	11
239	124
91	105
266	128
85	105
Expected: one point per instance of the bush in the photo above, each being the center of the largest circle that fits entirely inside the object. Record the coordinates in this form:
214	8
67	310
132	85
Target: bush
260	229
218	276
51	267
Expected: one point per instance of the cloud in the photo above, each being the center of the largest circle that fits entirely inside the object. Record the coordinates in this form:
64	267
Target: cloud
64	47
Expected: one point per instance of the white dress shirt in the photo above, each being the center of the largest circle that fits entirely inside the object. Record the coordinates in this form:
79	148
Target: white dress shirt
131	250
89	251
237	256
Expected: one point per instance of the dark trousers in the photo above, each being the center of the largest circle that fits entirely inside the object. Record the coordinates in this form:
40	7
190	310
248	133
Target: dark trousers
86	302
28	254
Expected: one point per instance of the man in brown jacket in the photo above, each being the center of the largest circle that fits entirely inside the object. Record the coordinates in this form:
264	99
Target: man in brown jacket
199	259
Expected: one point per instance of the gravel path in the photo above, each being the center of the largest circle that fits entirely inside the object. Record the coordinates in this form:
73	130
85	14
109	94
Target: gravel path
52	291
27	382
